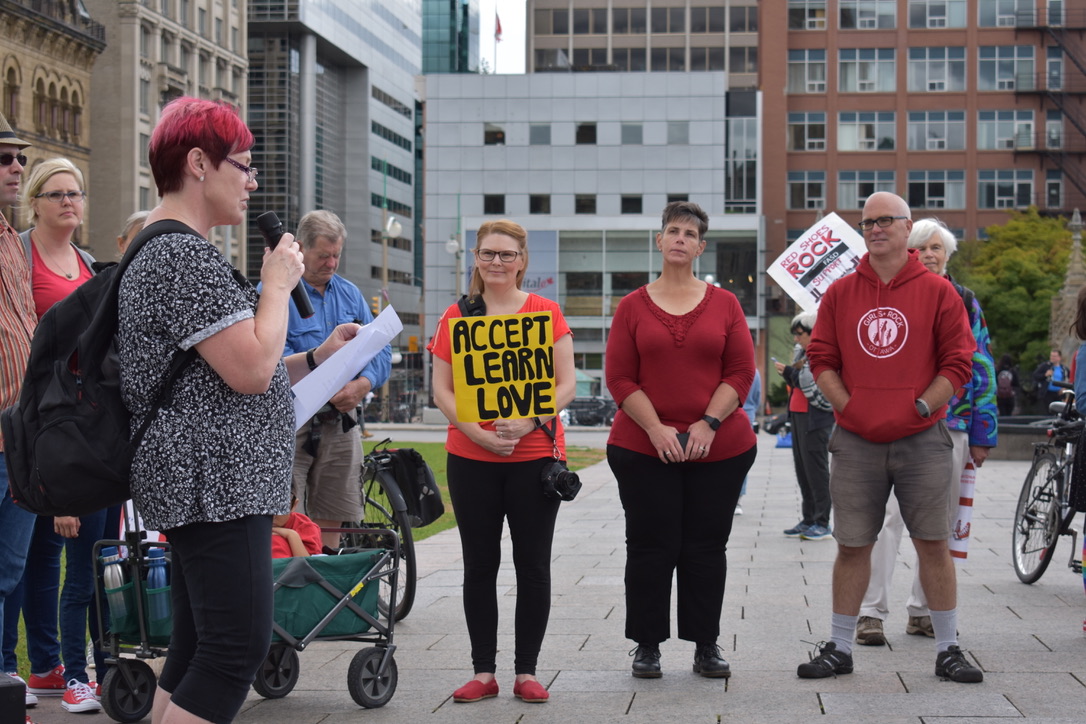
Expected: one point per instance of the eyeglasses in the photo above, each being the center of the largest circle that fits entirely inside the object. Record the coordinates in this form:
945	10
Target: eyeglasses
489	254
247	170
7	158
882	221
58	196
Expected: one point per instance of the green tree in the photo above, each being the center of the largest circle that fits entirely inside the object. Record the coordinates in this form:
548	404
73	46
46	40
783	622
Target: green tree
1015	274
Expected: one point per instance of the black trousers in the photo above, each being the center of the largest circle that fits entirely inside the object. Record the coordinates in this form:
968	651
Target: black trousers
484	495
221	586
678	520
811	456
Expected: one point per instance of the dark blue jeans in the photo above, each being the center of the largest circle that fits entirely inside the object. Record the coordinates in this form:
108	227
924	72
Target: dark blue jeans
16	526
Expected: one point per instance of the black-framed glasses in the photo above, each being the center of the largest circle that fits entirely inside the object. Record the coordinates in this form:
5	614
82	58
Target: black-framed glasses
249	171
58	196
7	158
882	222
489	254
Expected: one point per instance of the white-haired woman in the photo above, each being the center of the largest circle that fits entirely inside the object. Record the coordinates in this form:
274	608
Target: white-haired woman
811	417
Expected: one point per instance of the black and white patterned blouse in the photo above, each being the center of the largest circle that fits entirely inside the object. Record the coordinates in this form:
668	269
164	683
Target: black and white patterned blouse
213	454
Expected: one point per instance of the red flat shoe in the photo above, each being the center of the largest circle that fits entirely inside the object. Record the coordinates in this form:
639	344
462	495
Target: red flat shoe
531	691
476	690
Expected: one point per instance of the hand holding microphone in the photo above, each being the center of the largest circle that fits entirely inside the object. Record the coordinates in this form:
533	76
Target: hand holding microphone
272	229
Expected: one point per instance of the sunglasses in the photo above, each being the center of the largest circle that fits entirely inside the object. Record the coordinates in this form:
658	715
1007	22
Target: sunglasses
7	158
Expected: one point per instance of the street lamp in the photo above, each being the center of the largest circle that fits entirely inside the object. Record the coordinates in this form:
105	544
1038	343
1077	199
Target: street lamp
452	246
392	227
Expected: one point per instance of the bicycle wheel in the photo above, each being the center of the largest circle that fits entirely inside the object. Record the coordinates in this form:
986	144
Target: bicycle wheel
381	514
1037	520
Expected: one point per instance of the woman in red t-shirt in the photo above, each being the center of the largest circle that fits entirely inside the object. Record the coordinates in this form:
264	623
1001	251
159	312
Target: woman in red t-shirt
494	473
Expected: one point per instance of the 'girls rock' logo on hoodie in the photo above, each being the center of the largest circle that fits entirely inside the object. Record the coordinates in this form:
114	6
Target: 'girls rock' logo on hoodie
883	332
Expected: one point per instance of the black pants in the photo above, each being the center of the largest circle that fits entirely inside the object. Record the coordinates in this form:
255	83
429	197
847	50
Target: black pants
810	453
221	586
678	519
483	495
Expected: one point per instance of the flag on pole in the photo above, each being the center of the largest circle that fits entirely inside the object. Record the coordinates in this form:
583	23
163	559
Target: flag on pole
497	28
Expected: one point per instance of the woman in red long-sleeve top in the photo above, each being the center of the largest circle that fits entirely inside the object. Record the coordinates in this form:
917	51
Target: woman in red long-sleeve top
680	360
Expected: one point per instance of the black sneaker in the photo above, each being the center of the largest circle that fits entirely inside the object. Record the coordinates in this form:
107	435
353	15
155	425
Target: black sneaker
796	530
829	662
952	664
646	663
709	663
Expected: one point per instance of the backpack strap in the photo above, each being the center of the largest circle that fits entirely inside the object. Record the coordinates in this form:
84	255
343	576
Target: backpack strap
471	306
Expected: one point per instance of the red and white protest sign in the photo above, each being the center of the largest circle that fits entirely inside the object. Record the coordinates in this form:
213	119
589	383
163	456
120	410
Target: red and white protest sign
821	255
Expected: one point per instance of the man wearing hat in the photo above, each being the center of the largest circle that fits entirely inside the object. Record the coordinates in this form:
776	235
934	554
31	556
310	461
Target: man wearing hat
17	322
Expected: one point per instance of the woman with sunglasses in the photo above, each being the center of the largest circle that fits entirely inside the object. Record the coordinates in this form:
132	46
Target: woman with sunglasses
494	473
54	199
215	464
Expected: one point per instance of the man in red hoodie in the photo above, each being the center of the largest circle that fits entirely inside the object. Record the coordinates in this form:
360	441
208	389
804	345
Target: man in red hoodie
891	344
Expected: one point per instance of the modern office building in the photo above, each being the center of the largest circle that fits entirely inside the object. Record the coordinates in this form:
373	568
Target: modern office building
332	105
586	162
156	51
965	108
47	54
450	36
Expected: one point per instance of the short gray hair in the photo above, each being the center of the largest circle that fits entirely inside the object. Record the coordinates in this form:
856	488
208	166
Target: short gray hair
320	224
804	320
924	229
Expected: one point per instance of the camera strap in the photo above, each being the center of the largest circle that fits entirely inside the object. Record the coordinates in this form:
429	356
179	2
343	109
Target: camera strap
551	433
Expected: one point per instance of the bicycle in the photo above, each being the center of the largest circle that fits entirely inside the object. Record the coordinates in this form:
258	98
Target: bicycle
385	507
1044	512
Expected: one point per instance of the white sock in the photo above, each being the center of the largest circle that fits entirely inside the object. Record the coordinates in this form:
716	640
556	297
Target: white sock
945	624
842	629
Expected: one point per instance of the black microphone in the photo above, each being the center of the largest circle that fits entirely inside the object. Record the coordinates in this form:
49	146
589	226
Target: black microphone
272	229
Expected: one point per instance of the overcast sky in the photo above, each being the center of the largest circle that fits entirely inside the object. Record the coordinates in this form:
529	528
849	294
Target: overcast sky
511	48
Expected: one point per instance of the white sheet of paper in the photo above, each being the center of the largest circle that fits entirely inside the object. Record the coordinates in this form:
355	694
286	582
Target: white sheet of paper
321	384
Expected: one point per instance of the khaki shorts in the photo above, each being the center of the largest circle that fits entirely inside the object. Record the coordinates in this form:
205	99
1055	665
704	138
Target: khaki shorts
917	469
327	486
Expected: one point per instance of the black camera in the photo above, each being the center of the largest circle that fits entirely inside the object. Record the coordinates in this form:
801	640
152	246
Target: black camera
559	483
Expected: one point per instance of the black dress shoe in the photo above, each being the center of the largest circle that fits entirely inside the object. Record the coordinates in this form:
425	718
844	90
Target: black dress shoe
709	663
646	663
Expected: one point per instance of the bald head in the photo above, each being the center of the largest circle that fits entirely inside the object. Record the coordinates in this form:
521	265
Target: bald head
885	200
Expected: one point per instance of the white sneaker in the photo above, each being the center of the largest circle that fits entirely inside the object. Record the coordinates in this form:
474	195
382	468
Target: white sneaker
31	699
738	510
80	697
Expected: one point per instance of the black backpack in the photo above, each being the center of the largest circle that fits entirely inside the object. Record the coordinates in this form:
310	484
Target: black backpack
418	486
66	441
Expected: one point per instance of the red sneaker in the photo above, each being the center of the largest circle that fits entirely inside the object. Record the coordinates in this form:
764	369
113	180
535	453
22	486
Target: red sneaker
475	690
79	698
530	691
52	683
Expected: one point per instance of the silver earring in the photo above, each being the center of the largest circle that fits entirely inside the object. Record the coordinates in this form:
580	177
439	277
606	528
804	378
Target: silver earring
201	178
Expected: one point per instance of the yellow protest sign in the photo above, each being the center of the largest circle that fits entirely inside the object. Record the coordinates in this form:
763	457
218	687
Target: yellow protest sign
503	366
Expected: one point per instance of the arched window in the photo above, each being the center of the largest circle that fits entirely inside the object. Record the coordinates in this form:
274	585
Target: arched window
11	95
42	102
65	115
77	117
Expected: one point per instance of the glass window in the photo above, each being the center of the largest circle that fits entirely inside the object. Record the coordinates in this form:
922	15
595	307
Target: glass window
584	204
699	58
936	190
867	14
936	13
632	134
1054	189
1006	188
806	14
599	21
676	60
1004	13
743	59
493	203
806	131
539	204
1005	67
936	69
580	21
699	20
659	20
806	189
638	60
867	70
807	71
543	24
560	22
1004	130
638	21
678	133
936	131
741	165
1054	68
539	134
622	283
743	19
678	197
493	135
631	204
659	60
586	134
1053	129
867	131
676	20
620	21
853	187
736	261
